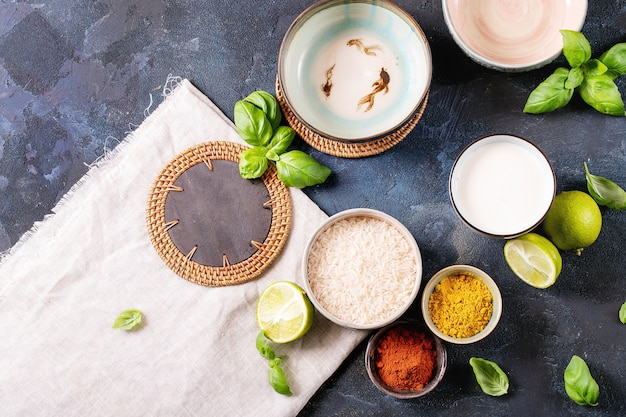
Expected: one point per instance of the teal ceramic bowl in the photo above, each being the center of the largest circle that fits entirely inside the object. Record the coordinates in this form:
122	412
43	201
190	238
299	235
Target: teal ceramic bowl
354	70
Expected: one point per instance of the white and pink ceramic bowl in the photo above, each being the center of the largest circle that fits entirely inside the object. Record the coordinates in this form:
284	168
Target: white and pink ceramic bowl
512	35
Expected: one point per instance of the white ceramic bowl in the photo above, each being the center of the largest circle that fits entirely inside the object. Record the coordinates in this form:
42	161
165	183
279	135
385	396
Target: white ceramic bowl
372	371
508	35
344	280
354	70
455	270
502	186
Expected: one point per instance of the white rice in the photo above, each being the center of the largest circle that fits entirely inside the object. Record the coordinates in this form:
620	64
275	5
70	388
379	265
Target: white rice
362	270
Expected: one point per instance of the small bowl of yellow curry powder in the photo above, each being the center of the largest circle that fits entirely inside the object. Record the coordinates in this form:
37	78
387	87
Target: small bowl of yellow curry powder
461	304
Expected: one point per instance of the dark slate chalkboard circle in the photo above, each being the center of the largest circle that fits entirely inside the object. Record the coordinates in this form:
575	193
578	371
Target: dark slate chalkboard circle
218	214
211	226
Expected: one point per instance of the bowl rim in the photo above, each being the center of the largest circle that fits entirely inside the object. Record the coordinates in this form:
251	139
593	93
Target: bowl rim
367	212
497	65
370	352
514	138
307	13
478	273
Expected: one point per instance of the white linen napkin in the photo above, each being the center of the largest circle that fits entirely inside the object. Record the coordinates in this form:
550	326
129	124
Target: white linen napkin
62	286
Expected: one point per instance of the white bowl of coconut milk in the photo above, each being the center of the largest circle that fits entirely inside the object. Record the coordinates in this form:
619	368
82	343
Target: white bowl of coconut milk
502	185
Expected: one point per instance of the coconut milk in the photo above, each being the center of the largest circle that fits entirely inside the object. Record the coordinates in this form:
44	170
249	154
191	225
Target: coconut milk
502	185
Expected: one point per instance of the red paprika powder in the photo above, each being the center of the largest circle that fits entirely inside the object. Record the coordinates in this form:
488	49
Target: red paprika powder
406	358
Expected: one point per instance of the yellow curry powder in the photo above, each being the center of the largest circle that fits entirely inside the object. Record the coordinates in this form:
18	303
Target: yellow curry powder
461	305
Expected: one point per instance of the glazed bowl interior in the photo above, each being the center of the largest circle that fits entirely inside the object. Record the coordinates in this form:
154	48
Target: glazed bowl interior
477	273
354	70
502	186
512	35
362	276
371	359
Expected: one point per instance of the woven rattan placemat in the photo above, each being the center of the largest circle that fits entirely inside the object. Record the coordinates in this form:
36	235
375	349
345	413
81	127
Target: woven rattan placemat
347	149
183	263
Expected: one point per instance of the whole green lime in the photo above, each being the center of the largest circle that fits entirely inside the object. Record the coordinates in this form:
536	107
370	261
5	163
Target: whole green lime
573	221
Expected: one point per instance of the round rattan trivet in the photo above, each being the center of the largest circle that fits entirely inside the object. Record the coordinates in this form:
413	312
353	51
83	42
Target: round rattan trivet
347	149
183	263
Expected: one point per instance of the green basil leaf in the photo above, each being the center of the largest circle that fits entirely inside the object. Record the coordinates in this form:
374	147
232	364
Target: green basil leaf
252	162
579	384
263	346
492	380
593	67
551	94
268	103
278	380
615	60
276	361
601	93
252	124
622	313
604	191
128	320
272	156
283	136
297	169
574	78
576	48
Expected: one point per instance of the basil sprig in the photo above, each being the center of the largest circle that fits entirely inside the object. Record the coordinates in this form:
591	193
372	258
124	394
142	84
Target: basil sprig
128	320
604	191
257	118
622	313
277	378
491	378
579	384
593	79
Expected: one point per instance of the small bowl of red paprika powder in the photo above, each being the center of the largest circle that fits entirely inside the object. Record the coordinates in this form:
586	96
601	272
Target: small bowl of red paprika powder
405	359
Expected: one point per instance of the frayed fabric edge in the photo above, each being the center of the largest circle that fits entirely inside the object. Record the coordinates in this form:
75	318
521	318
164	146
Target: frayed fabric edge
172	83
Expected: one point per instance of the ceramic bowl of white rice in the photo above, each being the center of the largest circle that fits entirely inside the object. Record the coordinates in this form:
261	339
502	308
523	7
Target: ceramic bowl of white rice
362	269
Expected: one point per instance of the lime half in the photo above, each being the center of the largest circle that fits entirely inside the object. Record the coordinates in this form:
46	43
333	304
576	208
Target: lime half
284	312
534	259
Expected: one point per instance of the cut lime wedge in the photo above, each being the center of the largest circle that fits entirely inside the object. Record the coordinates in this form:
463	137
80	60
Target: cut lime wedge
534	259
284	312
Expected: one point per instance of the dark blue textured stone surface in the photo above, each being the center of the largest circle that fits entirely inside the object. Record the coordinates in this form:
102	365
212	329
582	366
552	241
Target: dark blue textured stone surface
74	79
